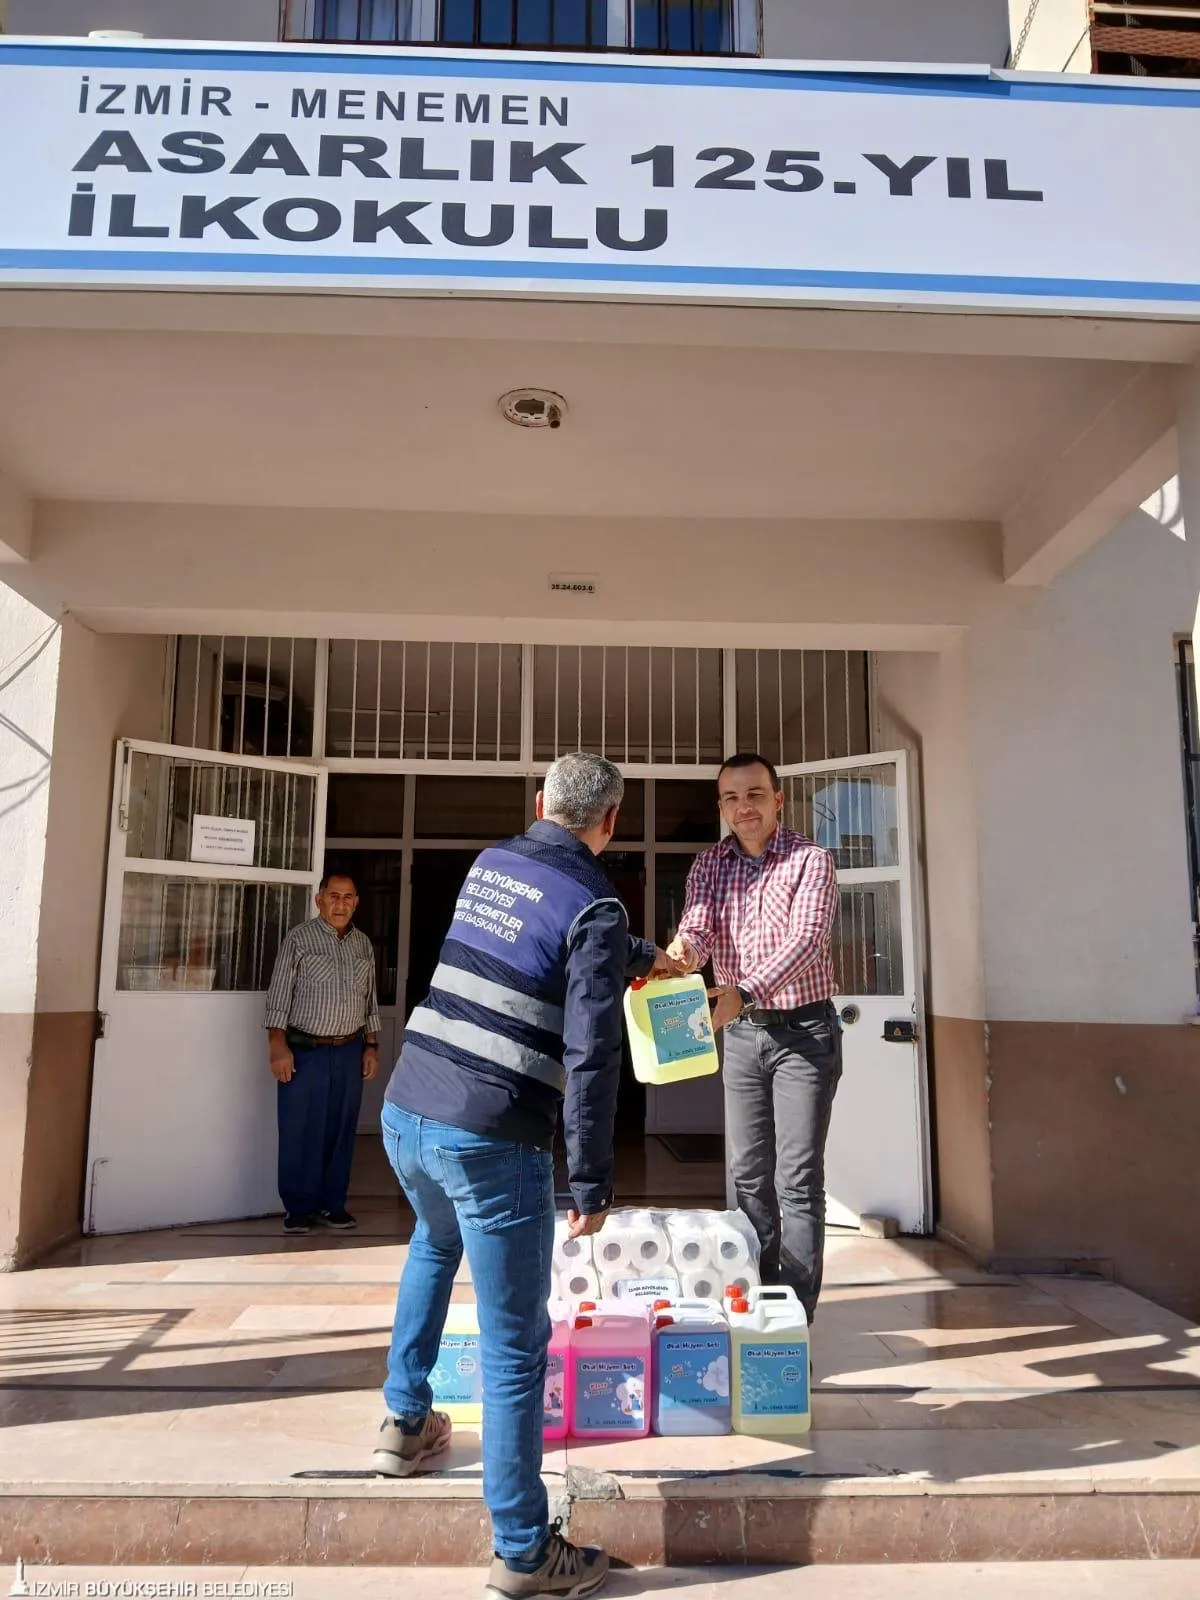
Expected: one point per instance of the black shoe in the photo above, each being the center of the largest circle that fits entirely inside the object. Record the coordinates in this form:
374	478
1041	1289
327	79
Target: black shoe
296	1222
342	1220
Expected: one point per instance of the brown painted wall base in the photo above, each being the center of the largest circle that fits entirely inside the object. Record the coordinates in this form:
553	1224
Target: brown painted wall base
959	1092
1085	1137
56	1131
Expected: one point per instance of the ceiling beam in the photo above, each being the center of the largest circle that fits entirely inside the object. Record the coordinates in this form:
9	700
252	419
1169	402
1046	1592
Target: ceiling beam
16	522
1125	453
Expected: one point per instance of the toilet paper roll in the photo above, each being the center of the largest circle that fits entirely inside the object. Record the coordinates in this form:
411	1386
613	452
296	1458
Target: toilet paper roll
647	1245
570	1252
610	1250
578	1283
701	1284
731	1254
690	1240
610	1283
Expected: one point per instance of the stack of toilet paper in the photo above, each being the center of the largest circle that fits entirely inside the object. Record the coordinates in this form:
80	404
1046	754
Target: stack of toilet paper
693	1254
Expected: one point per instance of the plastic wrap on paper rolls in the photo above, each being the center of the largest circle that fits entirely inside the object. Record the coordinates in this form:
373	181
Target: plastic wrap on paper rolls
634	1244
705	1251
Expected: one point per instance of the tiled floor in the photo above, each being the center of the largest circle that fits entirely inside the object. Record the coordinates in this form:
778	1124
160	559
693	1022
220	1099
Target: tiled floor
228	1361
228	1355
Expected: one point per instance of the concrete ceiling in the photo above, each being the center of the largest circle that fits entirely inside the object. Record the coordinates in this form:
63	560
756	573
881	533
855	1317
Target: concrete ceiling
403	422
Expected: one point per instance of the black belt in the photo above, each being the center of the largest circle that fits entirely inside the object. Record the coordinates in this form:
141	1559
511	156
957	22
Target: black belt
764	1017
297	1039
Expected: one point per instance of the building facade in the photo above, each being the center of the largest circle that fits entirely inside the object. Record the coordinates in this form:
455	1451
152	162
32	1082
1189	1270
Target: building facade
892	488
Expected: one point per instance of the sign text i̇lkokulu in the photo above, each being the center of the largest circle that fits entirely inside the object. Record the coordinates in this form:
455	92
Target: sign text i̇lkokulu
108	201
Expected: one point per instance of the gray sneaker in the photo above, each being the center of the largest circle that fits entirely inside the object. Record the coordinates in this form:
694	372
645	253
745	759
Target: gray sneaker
568	1572
405	1448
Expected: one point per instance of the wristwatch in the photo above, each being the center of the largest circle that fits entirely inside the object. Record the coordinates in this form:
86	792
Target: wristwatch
747	997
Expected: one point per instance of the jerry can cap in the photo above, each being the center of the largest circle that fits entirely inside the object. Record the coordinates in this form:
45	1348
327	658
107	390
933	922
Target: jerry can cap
587	1305
740	1304
661	1305
583	1322
663	1322
639	983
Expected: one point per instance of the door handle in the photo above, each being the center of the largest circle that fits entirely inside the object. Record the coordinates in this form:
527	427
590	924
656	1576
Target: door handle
900	1031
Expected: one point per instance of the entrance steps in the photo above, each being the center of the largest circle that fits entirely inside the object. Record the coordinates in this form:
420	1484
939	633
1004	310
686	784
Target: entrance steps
650	1521
209	1396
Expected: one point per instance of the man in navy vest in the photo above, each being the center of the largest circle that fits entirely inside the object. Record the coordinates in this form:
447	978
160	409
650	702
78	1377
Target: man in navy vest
523	1016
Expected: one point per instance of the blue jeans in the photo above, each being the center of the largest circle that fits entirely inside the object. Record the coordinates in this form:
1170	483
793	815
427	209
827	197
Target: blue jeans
496	1199
318	1119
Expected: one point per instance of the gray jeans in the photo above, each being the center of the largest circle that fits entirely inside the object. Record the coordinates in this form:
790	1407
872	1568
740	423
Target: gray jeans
779	1088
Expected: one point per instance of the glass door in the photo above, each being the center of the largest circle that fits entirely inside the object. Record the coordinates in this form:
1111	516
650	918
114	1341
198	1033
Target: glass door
877	1155
211	860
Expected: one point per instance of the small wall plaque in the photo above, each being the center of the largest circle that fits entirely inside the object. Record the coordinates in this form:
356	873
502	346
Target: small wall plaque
573	583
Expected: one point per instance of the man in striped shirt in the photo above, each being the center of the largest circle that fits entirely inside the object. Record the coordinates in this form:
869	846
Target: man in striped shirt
323	1025
761	904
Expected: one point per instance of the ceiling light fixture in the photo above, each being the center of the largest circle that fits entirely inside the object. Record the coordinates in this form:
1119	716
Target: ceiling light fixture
533	408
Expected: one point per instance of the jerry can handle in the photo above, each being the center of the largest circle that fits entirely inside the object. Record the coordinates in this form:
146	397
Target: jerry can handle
770	1293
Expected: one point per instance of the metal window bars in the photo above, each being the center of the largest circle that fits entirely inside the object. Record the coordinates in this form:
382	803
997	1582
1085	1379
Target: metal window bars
671	27
421	703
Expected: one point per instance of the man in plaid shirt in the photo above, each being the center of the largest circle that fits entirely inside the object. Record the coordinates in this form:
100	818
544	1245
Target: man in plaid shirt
761	904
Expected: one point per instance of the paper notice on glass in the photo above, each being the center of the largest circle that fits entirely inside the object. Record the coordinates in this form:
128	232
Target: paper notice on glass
223	841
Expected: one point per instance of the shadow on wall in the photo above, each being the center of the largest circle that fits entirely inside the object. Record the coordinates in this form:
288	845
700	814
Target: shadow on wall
16	790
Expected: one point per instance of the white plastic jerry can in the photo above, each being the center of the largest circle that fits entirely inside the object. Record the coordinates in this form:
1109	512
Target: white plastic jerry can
670	1029
770	1348
691	1368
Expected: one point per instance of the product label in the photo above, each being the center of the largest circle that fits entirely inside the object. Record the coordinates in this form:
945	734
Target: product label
680	1026
554	1407
457	1380
693	1370
774	1379
647	1290
610	1394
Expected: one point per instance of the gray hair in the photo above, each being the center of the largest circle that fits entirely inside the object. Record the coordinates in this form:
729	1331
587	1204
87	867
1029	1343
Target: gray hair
580	790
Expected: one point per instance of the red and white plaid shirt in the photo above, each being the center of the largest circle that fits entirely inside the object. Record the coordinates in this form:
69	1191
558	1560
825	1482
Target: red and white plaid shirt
766	921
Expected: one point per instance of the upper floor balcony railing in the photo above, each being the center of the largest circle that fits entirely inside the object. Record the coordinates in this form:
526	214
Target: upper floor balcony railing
1158	40
671	27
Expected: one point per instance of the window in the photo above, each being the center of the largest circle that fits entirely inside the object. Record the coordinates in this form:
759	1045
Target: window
672	27
513	706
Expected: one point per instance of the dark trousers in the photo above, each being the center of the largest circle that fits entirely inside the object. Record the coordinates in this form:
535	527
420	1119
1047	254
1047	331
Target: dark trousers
779	1088
318	1118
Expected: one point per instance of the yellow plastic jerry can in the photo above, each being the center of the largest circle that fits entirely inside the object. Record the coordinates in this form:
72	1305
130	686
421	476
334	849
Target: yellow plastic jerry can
670	1029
